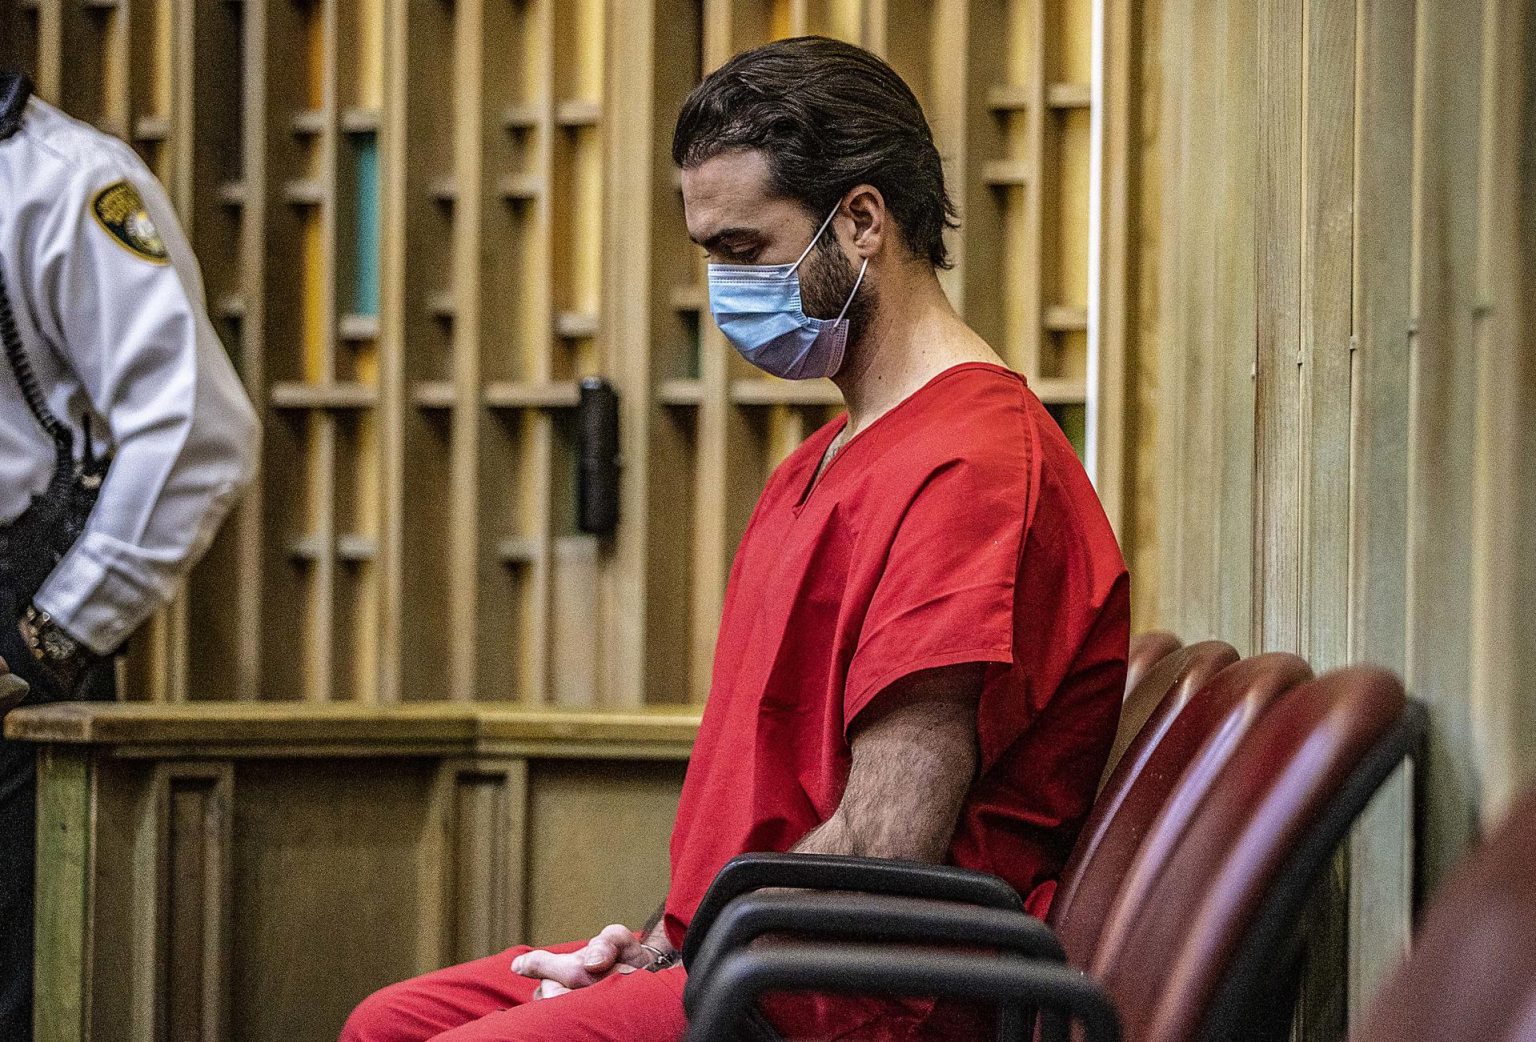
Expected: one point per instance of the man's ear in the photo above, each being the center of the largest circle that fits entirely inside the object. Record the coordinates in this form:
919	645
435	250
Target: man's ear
871	220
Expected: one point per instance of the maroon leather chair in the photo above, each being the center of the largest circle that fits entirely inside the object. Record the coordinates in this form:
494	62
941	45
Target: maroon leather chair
1472	973
1196	959
1147	650
1209	701
1141	813
1159	692
1205	950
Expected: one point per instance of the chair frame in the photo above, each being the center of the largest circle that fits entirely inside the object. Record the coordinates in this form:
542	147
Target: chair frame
734	975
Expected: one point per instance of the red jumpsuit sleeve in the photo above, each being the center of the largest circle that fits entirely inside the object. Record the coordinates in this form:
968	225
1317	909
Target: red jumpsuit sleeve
946	592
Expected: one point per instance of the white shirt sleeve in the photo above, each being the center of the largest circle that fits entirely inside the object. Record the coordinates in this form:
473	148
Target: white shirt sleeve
185	438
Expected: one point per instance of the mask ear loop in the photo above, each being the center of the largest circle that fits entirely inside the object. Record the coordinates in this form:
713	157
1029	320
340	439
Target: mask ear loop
796	266
855	291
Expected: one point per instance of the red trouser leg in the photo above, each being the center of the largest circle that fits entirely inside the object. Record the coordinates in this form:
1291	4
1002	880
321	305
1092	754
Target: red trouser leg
484	1001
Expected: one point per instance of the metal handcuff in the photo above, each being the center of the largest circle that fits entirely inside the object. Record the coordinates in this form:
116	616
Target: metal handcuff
660	960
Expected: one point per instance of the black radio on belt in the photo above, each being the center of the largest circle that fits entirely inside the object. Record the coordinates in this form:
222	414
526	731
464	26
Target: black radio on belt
32	545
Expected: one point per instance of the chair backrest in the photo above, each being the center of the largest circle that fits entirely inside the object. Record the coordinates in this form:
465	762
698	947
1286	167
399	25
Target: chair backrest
1473	969
1167	689
1150	707
1200	957
1177	769
1147	650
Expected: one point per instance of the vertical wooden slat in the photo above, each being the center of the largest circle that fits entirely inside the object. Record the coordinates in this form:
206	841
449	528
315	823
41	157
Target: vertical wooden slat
721	442
1327	260
1277	536
486	805
1172	320
1109	282
326	460
1237	290
1504	568
539	427
1200	264
464	463
393	144
1380	852
1444	373
65	895
192	810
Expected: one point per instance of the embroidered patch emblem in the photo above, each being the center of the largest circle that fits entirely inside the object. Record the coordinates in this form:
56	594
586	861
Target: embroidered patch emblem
120	211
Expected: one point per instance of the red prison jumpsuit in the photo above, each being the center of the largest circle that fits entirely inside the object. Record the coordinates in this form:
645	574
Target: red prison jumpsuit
958	527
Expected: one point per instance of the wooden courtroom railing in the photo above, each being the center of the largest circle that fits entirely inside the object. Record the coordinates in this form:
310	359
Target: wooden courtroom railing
213	871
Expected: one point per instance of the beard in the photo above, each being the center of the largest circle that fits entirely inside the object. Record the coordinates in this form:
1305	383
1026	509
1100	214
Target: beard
827	280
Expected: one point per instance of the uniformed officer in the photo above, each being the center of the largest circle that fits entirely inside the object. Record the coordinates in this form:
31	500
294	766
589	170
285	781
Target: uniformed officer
125	436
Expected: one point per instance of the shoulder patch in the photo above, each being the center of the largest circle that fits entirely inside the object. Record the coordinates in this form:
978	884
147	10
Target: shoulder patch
120	211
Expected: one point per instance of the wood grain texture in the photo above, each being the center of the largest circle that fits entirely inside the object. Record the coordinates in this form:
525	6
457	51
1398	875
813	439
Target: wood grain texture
1277	539
1373	189
185	885
65	897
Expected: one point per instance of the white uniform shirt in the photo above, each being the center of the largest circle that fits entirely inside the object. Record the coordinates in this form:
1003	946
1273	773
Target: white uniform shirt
111	313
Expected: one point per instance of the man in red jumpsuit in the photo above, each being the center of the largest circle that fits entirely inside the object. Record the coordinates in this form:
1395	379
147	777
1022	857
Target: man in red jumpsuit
923	643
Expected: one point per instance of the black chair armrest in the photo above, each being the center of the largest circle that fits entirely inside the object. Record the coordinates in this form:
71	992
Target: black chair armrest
866	917
734	987
835	872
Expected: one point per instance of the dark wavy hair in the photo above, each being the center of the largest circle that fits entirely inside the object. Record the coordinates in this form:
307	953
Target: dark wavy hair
827	116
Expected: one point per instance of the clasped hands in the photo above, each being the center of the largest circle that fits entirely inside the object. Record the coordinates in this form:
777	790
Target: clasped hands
614	951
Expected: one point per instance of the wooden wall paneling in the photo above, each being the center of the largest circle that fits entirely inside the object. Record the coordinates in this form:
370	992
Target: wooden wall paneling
1322	509
485	803
1237	283
1277	581
47	52
725	466
623	810
964	133
344	834
248	194
297	145
221	606
1505	324
1066	173
147	100
179	837
413	248
1142	514
421	301
194	822
1109	278
1172	321
1327	280
355	326
65	909
18	35
1202	111
393	146
467	191
87	36
532	540
575	614
651	313
1380	852
1444	374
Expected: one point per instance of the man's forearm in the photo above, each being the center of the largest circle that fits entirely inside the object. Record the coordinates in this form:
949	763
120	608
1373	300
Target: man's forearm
654	933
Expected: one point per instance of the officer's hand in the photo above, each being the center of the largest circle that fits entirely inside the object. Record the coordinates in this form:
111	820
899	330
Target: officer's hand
615	950
12	688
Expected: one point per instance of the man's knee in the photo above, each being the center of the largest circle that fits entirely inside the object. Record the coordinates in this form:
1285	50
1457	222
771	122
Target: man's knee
384	1016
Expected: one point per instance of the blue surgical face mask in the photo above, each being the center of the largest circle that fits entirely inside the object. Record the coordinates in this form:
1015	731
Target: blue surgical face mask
757	307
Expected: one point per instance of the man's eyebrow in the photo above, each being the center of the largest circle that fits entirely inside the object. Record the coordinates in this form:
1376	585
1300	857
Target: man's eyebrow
725	233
